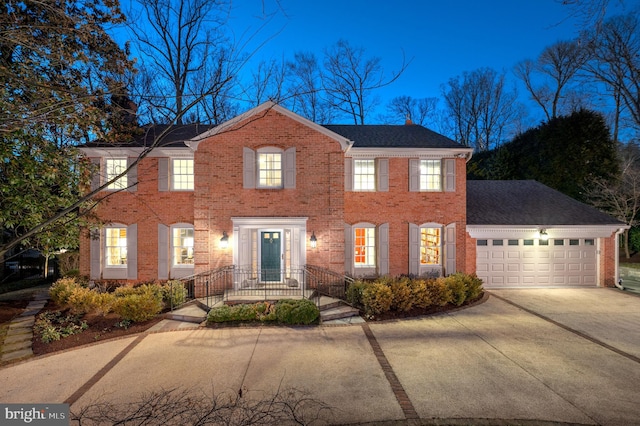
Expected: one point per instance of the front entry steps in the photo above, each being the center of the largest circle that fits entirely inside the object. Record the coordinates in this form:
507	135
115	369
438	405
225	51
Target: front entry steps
332	312
193	311
336	312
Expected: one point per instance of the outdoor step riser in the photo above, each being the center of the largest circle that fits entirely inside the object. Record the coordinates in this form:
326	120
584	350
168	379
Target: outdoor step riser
185	318
331	306
333	317
339	313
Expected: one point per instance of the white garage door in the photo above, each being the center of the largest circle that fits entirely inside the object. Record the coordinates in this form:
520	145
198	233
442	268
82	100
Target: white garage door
522	263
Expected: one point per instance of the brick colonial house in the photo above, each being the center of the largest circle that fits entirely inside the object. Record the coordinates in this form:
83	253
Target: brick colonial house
271	192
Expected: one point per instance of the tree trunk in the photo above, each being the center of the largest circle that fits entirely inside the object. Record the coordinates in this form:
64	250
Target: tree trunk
626	243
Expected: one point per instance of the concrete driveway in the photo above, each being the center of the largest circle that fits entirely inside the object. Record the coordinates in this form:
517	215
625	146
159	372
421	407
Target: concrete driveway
529	356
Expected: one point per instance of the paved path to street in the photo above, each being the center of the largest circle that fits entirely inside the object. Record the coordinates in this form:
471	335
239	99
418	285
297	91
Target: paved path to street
557	356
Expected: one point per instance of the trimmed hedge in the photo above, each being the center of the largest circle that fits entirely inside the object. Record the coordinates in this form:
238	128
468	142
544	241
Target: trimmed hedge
403	293
291	312
132	304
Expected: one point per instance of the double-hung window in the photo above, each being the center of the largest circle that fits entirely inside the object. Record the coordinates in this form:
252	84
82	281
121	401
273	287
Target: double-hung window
364	175
114	167
364	247
270	169
116	247
430	175
182	174
182	246
430	246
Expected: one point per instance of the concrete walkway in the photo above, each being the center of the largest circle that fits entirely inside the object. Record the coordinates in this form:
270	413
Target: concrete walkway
529	357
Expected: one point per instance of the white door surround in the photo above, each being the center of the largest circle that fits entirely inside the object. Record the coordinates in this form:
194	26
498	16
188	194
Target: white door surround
246	243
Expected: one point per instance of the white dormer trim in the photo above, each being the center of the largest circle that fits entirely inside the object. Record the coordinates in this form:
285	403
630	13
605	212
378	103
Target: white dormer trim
260	111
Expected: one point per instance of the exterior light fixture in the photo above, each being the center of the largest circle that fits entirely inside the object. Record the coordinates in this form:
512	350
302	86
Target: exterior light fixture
543	235
314	240
224	241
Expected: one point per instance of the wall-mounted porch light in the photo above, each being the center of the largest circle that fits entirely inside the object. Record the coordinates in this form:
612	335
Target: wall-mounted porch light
543	235
224	241
314	240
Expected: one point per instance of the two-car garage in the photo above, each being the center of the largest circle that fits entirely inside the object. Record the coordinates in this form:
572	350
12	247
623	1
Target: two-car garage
537	262
528	235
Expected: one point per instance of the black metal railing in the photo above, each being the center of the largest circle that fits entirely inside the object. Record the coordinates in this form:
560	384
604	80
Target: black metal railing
327	282
234	284
267	284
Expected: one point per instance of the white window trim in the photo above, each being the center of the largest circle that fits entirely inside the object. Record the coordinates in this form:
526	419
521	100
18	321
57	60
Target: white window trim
106	247
355	175
269	150
441	176
122	182
440	246
172	175
172	259
369	228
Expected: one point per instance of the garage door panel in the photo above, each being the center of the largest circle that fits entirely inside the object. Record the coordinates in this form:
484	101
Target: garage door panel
574	267
514	267
497	267
574	254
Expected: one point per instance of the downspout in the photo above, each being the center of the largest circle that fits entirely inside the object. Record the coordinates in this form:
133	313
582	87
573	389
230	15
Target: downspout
618	281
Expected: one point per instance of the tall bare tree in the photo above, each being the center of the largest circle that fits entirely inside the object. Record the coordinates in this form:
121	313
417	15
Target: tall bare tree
481	108
621	197
548	78
615	61
406	108
350	79
267	83
307	95
176	40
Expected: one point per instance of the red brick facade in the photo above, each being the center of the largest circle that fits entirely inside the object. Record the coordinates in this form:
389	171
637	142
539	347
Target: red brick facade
317	202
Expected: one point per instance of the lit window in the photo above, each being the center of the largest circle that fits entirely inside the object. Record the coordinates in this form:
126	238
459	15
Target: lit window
116	246
115	166
430	175
364	175
182	174
270	170
430	246
365	247
183	246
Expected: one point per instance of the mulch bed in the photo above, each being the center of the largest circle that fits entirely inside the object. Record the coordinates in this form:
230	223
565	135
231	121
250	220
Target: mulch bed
106	327
100	329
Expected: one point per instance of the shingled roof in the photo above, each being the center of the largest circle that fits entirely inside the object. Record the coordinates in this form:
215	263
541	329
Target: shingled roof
174	138
527	202
393	136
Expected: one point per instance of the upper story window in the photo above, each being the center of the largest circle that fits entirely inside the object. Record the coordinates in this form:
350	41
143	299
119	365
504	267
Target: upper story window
116	247
182	246
364	175
430	246
114	167
182	176
269	169
430	175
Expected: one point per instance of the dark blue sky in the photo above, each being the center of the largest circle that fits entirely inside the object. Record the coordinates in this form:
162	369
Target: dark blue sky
442	38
